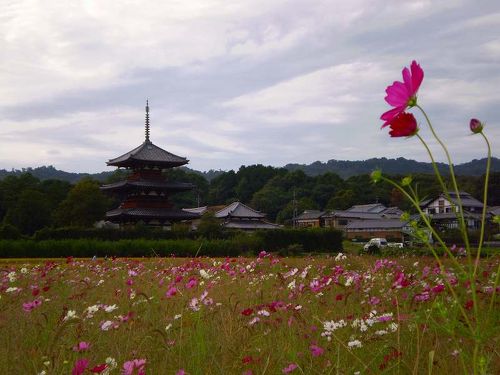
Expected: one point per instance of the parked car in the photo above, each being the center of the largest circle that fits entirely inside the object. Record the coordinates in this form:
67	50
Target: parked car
375	244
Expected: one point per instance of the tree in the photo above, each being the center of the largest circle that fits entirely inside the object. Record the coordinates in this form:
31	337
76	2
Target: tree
84	205
30	213
209	226
342	200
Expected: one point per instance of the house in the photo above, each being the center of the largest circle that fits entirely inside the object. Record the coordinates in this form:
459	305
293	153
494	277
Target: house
236	216
339	219
392	229
310	219
239	216
443	211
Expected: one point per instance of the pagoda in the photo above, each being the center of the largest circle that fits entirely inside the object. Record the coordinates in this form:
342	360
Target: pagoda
144	195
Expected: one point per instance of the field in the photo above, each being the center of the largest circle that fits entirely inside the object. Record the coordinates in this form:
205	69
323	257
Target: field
266	315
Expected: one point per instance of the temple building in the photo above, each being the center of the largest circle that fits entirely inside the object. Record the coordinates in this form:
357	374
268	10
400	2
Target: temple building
144	195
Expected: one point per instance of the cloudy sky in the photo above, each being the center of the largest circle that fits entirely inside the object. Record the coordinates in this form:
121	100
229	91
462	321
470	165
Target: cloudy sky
240	82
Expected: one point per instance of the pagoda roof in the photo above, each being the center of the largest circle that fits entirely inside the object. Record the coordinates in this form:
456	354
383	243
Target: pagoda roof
158	185
148	154
238	209
151	213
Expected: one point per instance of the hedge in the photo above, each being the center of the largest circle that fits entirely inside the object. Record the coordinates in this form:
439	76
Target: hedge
292	242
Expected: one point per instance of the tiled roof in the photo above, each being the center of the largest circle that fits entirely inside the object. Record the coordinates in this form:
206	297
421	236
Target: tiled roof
372	208
151	213
196	210
238	209
149	154
376	224
310	215
354	215
160	185
250	224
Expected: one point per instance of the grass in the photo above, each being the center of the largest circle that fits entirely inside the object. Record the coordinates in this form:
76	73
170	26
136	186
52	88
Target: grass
242	314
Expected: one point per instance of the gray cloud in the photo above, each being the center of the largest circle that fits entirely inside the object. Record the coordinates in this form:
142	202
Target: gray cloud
241	82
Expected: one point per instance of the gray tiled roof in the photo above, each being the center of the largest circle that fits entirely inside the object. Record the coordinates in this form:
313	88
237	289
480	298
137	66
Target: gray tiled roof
310	215
150	154
151	213
238	209
250	224
160	185
354	215
373	207
376	224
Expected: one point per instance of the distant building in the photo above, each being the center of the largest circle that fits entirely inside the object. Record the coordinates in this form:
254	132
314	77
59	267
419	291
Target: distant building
392	229
443	211
310	219
236	216
145	193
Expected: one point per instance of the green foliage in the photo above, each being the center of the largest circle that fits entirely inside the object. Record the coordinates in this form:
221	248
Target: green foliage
84	205
30	212
9	232
317	239
209	226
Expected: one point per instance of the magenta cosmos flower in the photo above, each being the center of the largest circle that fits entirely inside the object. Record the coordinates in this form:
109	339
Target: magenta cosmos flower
402	95
403	125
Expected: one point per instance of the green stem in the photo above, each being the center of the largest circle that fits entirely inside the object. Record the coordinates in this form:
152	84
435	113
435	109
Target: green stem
434	165
438	260
454	182
485	201
460	214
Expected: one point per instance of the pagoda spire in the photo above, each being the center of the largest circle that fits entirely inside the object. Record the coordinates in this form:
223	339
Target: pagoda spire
147	120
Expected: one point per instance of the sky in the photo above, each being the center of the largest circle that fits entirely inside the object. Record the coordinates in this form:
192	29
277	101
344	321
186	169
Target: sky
239	82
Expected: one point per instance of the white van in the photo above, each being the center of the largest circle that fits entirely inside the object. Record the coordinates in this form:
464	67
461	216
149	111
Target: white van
379	242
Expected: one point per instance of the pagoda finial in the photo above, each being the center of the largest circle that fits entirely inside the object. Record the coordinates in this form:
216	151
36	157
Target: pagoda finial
147	120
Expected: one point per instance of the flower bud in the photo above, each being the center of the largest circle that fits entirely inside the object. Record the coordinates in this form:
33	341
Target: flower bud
476	126
376	175
406	181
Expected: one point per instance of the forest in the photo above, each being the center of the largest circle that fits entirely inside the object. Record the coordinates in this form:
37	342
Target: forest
28	204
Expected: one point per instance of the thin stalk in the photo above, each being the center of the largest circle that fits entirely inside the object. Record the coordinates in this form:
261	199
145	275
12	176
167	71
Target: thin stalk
485	201
460	215
453	179
427	223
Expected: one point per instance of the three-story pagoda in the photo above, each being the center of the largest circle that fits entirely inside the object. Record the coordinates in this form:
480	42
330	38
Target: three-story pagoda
144	195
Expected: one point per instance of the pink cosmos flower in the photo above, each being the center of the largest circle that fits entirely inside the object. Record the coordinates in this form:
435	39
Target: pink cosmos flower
28	306
316	351
403	125
80	366
291	367
82	346
191	283
401	95
172	291
374	301
181	372
135	364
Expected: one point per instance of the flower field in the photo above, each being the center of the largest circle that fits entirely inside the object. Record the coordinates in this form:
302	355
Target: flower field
268	315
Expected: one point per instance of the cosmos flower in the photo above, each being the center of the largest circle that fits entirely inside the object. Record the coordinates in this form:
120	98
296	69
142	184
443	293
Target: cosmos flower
316	351
291	367
80	366
402	95
403	125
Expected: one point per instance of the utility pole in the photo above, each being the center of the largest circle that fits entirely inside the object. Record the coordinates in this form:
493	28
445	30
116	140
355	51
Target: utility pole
294	209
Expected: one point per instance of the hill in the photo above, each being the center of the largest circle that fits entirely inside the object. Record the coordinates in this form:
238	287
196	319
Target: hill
344	168
399	166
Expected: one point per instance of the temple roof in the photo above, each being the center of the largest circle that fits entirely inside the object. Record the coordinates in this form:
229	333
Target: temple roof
238	209
150	213
148	184
148	154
